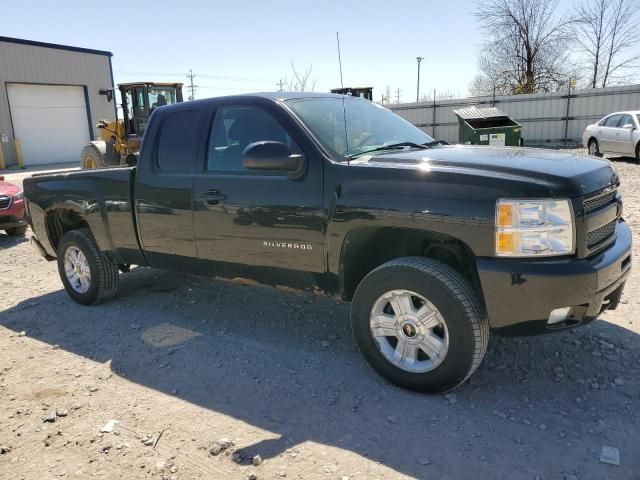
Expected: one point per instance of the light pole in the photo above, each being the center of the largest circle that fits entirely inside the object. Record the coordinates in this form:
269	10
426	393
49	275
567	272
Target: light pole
419	59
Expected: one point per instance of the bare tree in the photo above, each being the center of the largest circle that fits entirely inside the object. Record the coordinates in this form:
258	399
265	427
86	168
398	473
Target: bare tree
526	48
300	81
607	30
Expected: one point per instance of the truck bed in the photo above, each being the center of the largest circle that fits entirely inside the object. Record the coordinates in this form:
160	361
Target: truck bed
103	197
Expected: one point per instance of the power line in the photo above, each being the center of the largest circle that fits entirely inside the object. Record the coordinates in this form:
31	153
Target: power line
280	85
202	75
213	87
228	77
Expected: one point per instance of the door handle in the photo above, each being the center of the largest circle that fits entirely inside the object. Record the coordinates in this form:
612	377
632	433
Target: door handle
213	196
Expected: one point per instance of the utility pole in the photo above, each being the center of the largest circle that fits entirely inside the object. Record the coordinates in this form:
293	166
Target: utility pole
191	85
566	119
419	59
397	95
280	85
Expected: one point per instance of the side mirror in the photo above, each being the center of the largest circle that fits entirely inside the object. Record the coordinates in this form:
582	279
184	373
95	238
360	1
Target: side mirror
132	159
629	126
273	156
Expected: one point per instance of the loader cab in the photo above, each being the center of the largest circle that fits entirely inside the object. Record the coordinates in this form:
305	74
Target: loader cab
140	100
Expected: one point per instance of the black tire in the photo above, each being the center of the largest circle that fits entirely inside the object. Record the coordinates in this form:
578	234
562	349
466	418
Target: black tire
91	158
451	294
103	269
16	231
638	152
594	142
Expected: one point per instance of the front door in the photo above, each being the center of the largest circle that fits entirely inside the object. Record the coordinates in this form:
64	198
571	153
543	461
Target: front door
261	223
624	136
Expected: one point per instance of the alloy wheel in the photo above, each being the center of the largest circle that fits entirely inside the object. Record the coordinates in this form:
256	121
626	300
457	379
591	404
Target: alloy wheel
409	331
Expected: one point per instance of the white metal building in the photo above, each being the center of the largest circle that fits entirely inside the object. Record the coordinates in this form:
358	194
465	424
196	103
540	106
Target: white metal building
51	97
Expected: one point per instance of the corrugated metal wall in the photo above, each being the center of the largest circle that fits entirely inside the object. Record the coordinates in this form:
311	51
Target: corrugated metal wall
20	63
543	116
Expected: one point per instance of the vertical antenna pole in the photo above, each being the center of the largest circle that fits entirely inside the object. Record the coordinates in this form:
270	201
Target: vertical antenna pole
339	59
344	109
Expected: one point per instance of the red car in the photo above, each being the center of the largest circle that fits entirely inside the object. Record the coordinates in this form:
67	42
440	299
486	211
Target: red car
11	209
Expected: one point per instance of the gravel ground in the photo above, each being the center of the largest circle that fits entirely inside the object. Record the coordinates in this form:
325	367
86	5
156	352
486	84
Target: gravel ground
182	363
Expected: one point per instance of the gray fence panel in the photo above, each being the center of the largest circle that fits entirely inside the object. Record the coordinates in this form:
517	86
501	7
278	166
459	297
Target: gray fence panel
543	116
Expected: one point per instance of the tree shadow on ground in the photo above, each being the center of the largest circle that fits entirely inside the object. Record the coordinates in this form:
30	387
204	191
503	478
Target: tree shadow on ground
287	363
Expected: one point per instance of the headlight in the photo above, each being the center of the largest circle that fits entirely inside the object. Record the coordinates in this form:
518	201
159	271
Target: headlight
19	195
527	228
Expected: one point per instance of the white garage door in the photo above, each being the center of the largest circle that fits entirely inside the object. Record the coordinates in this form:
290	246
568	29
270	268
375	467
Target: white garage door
50	121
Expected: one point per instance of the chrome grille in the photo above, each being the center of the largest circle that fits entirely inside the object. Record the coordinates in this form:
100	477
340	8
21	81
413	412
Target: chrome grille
601	234
602	200
593	205
5	201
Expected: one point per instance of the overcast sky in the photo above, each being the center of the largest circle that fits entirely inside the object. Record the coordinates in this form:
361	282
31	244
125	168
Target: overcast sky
243	46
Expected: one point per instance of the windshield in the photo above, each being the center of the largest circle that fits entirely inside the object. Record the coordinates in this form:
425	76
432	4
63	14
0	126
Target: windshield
368	125
160	96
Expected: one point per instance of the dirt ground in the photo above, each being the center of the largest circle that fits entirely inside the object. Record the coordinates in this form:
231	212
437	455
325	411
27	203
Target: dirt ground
182	362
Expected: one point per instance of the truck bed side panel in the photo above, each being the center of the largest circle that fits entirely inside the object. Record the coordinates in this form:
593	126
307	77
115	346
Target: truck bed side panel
101	197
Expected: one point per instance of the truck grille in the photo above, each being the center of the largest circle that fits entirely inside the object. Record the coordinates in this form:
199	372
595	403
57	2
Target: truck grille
601	234
5	201
597	202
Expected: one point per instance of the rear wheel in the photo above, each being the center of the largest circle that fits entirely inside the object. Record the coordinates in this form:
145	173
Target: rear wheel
419	324
91	158
16	231
89	276
594	148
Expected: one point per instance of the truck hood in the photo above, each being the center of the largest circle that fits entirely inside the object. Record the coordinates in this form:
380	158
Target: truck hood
7	188
562	173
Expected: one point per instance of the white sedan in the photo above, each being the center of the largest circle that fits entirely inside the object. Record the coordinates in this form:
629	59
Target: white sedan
617	133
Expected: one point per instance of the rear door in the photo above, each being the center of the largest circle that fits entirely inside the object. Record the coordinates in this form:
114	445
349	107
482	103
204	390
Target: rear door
163	194
624	136
253	221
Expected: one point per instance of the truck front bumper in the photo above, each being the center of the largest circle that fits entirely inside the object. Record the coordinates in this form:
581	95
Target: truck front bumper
539	296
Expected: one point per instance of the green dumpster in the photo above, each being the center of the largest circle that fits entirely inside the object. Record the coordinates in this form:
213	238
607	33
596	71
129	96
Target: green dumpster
487	126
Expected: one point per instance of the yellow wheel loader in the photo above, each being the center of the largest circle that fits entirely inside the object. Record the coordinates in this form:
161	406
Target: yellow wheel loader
124	136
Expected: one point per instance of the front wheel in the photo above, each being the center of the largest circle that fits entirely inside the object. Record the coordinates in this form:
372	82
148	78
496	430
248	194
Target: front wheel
594	148
638	152
89	276
419	324
91	158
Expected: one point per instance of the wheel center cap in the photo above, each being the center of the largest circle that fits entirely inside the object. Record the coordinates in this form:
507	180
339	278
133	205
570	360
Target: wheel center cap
409	330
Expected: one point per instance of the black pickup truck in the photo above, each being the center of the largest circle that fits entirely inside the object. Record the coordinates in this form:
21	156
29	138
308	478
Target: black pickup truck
434	245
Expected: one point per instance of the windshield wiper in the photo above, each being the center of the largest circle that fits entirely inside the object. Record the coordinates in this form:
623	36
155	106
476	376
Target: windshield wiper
436	143
392	146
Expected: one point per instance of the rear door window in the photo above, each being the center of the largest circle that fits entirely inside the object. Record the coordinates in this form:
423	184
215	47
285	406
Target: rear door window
177	143
626	120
